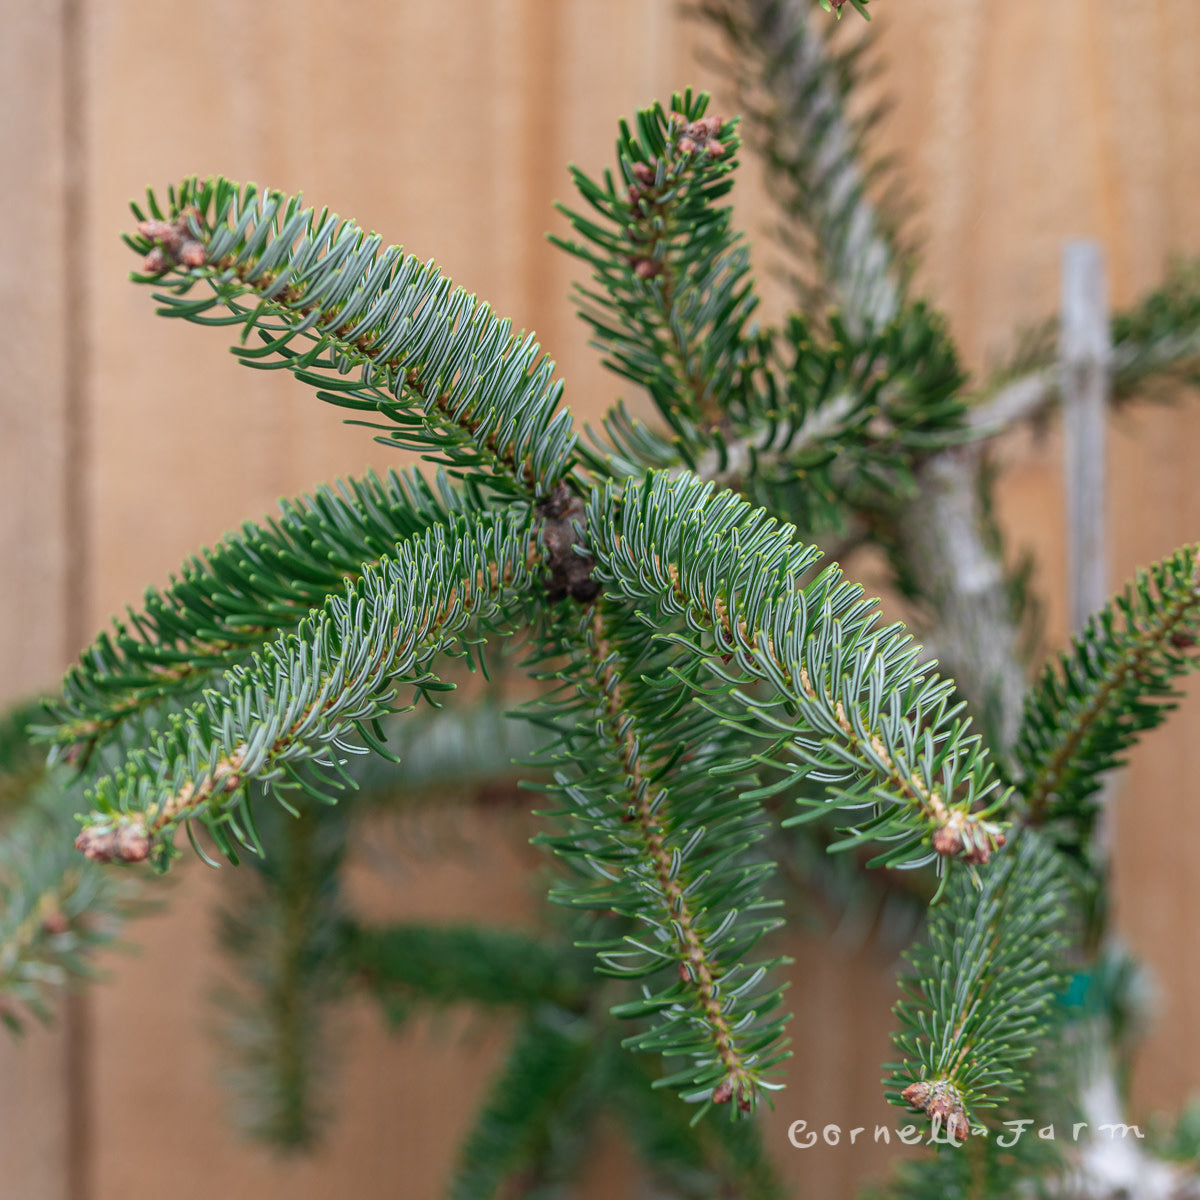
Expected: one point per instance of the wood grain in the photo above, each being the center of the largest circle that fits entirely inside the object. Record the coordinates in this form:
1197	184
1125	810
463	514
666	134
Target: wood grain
447	124
35	540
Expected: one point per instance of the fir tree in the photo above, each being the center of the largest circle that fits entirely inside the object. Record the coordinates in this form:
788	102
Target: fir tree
715	704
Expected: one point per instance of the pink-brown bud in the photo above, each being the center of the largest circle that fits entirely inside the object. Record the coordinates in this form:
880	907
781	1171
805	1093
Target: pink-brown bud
132	844
644	173
980	853
948	841
940	1101
126	843
192	253
55	922
155	263
704	128
159	231
723	1092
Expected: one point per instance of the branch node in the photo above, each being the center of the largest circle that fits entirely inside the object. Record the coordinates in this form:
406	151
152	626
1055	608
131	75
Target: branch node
564	528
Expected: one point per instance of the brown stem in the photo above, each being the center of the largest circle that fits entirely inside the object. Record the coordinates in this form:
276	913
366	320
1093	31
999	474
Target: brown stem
697	965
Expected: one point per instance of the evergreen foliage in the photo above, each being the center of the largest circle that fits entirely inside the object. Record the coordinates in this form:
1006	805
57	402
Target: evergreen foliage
229	602
980	988
711	711
1116	681
57	910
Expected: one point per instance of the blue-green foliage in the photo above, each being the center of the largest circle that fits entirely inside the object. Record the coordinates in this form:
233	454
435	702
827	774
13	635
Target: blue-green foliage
844	702
227	602
676	323
449	376
981	985
1118	679
653	839
302	703
704	671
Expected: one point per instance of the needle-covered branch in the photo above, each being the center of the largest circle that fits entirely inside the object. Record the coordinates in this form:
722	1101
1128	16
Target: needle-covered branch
846	703
311	696
981	988
673	293
329	302
1118	679
763	411
847	416
704	675
652	839
228	602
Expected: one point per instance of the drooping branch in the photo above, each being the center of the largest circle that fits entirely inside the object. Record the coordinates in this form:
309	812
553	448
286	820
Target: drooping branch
653	840
699	968
981	988
679	551
228	602
294	706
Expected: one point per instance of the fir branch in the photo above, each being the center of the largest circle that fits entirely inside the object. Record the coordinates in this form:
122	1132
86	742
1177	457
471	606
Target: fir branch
852	704
792	81
449	376
674	290
56	910
688	1159
527	1134
850	419
291	709
282	933
1115	682
407	966
672	316
980	990
654	841
226	603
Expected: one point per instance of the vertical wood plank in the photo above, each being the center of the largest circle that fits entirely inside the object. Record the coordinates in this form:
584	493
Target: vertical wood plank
34	548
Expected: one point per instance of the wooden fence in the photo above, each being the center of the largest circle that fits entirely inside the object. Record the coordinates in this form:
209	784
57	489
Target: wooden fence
126	442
